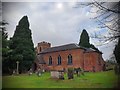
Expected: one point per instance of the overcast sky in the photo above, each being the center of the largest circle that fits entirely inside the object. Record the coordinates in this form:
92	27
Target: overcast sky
56	22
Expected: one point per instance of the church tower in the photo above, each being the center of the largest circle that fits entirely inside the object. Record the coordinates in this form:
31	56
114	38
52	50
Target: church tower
41	46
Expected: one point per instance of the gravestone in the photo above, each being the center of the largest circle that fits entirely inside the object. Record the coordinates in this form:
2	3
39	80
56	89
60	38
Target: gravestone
39	72
54	74
70	73
30	72
61	75
57	74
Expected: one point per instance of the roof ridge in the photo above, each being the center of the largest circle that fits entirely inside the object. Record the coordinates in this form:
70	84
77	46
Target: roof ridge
65	45
61	48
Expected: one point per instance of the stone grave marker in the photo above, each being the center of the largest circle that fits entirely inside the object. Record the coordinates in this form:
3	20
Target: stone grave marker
55	74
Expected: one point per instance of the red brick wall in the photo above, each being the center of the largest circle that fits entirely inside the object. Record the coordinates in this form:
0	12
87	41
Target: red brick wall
93	61
79	59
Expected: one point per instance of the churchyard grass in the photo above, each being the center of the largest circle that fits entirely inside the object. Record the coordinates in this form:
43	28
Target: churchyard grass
105	79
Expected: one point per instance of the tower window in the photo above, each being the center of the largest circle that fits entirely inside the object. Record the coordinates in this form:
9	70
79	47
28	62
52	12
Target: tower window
40	48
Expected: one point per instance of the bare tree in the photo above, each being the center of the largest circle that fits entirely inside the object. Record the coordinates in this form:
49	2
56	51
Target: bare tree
107	17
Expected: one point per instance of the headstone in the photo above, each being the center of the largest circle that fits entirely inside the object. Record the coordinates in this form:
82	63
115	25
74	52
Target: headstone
30	72
70	73
14	72
54	74
82	72
43	70
61	75
39	72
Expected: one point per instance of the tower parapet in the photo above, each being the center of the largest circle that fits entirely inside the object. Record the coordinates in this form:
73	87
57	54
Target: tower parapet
42	45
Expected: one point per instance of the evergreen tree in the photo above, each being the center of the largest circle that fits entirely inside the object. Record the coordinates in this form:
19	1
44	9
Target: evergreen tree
117	52
3	33
22	46
5	48
84	39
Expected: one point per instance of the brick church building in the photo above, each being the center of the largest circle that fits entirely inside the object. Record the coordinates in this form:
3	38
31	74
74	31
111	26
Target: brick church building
68	56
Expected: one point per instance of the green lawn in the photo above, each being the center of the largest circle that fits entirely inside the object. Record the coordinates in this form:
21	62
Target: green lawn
90	80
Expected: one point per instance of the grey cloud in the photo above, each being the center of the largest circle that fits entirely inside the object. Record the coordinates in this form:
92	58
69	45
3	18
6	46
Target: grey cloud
48	23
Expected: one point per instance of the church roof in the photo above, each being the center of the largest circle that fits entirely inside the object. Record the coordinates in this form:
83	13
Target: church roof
66	47
60	48
40	59
91	50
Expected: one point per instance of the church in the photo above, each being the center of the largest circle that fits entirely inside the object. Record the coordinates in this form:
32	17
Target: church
68	56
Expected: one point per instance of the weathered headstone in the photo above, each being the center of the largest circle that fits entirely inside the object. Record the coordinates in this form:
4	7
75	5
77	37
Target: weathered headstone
39	72
61	75
30	72
43	70
14	72
54	74
70	73
57	74
78	70
82	72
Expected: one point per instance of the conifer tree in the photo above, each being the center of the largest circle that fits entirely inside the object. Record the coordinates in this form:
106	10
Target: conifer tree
4	47
22	45
84	39
117	52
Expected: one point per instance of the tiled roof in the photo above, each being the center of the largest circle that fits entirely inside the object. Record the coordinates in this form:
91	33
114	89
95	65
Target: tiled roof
40	59
66	47
60	48
92	50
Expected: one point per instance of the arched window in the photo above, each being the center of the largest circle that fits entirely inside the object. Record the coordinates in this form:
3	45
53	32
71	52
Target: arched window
69	59
59	60
50	60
